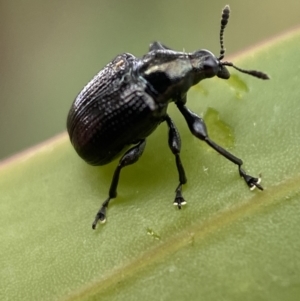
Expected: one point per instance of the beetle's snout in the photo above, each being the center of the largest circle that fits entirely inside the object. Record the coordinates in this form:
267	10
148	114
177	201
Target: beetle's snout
223	72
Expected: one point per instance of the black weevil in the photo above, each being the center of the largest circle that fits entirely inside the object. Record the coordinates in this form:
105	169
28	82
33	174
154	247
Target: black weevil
126	101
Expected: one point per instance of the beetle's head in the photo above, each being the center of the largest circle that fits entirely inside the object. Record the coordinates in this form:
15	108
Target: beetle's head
208	65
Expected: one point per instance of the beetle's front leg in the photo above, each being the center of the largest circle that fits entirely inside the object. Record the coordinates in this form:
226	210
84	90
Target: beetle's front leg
130	157
175	146
198	129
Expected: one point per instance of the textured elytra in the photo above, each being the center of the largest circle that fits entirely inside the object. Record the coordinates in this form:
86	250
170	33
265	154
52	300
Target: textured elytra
112	112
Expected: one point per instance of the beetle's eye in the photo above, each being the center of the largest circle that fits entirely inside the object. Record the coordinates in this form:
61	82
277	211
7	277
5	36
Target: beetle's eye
210	67
209	70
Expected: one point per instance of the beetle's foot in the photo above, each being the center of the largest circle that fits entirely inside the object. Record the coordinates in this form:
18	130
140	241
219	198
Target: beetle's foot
179	200
100	217
250	181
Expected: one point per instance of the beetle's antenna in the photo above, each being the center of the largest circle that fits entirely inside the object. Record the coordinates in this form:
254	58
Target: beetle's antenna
224	21
254	73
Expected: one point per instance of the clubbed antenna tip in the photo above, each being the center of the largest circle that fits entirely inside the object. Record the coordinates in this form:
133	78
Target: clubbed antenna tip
254	73
224	21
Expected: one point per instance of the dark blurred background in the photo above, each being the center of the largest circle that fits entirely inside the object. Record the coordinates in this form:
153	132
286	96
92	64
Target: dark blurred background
51	49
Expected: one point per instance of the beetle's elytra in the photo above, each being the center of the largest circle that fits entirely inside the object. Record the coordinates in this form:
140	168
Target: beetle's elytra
125	102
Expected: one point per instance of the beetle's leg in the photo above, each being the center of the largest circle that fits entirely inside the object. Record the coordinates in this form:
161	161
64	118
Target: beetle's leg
130	157
158	45
175	146
198	129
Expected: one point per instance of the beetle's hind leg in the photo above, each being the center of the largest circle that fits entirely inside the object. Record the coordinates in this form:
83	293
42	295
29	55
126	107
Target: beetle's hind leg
175	145
130	157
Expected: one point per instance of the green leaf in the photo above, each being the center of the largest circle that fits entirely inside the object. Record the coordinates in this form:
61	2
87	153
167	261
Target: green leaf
227	243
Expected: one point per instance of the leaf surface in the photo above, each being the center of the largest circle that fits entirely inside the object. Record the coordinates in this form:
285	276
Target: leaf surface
227	243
